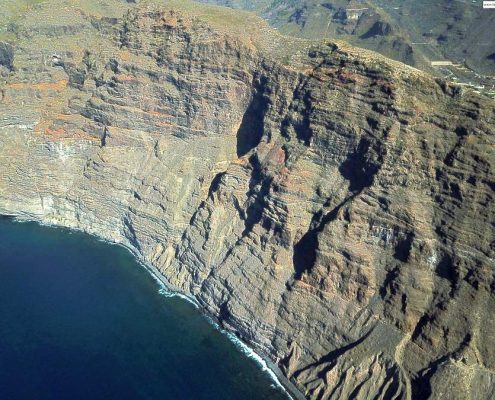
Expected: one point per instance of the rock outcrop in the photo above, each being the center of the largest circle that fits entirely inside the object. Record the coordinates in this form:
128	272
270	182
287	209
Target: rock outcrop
415	32
333	208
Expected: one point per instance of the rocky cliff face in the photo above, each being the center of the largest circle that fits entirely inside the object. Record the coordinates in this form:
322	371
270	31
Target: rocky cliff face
415	32
334	209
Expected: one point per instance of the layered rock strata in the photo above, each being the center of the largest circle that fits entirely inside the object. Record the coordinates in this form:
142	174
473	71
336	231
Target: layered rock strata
332	208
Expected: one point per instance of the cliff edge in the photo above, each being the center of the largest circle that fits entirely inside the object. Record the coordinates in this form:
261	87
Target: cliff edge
333	208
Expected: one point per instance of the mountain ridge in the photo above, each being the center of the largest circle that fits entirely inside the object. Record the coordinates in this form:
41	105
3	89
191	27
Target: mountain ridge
333	209
450	39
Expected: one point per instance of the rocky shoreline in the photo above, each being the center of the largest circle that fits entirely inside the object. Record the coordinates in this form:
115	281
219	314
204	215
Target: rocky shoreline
331	206
247	348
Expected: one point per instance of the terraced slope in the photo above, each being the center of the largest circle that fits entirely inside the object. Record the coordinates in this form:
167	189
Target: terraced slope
412	31
330	206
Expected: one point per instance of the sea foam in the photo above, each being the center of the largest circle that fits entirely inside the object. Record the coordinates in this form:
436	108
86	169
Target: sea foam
243	347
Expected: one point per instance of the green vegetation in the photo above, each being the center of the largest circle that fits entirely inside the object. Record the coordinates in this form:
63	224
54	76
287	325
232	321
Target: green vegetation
412	31
10	12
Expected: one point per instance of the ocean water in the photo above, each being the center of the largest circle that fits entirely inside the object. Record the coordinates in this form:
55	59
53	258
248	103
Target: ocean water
80	319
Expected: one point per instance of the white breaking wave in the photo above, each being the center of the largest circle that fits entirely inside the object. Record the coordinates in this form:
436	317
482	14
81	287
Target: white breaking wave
256	357
243	347
164	291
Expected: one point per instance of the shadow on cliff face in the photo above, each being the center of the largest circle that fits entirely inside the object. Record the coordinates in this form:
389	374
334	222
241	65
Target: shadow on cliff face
403	247
259	189
362	165
360	169
305	250
421	384
6	56
252	126
331	357
299	122
215	184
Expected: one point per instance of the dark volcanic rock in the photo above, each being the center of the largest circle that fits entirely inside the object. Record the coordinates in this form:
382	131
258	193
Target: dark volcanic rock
333	208
379	28
6	56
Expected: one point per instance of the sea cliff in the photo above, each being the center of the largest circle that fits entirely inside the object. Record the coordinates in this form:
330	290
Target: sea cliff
331	207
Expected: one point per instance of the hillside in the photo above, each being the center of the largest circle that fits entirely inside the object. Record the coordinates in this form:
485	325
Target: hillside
414	32
331	207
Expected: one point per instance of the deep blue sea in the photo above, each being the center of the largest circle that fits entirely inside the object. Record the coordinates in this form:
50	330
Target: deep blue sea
81	319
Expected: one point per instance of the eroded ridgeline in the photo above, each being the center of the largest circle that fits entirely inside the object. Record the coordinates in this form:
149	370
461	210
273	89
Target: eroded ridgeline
333	209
